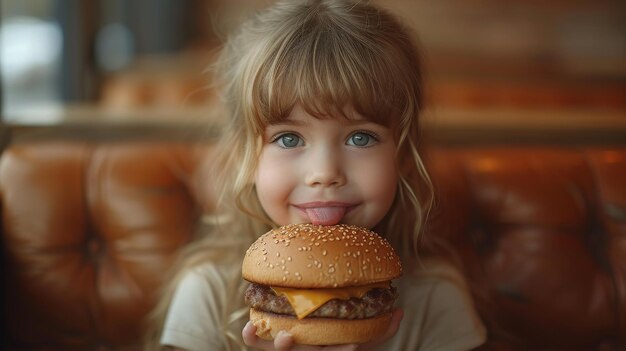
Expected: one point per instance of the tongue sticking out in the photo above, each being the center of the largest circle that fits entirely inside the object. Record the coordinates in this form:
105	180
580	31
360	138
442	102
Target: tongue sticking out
325	215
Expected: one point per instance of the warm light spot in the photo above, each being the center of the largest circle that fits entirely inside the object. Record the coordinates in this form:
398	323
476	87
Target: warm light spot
486	164
611	157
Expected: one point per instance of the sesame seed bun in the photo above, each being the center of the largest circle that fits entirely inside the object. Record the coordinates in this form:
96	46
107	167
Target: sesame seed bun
314	256
319	331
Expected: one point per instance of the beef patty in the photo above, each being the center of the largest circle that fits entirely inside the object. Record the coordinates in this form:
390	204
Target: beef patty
376	302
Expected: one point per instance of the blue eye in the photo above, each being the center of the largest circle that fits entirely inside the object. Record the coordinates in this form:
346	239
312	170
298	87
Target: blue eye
289	140
362	139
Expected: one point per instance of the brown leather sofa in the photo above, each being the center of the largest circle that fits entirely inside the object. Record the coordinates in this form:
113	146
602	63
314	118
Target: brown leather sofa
89	229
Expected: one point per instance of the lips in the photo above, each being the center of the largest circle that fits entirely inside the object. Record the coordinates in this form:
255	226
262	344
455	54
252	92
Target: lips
320	213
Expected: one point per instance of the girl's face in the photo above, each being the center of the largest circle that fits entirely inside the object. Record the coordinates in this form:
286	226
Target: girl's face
326	171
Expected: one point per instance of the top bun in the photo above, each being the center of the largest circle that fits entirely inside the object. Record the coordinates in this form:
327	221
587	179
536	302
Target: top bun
315	256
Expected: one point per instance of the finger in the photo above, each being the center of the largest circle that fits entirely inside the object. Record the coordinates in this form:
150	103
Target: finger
396	318
283	341
249	333
350	347
394	325
251	339
347	347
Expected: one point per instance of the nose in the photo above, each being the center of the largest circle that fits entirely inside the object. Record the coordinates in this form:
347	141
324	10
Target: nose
325	169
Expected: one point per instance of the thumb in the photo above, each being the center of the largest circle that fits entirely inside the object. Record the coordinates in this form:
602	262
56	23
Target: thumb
391	331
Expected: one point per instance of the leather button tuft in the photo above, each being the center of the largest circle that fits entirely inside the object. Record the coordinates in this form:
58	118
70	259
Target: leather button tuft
93	249
101	347
607	345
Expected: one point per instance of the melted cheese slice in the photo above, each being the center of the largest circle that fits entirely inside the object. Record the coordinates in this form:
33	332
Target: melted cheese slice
305	301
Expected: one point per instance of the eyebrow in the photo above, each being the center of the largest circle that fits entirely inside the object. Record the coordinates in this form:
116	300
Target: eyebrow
351	122
286	122
289	122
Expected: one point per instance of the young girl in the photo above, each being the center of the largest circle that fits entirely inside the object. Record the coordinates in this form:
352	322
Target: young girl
324	98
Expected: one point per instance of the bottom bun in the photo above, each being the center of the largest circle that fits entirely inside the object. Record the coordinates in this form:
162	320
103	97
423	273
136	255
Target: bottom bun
319	331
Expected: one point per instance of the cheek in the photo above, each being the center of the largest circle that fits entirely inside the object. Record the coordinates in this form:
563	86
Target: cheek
383	185
272	181
379	181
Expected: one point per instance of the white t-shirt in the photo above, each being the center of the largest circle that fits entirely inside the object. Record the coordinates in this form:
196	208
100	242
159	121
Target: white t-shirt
438	311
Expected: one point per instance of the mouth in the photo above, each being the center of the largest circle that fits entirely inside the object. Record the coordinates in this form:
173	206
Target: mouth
325	213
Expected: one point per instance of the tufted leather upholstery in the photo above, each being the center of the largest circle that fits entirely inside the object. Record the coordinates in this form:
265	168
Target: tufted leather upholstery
88	231
542	234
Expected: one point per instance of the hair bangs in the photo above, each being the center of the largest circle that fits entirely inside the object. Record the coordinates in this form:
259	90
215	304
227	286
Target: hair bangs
331	73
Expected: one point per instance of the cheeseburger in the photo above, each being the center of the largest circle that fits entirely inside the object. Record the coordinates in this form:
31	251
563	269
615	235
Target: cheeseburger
325	285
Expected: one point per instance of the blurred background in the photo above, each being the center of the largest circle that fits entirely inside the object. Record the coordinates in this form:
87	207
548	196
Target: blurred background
526	105
538	63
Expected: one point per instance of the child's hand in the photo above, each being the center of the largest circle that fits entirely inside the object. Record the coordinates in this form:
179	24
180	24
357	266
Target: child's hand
284	341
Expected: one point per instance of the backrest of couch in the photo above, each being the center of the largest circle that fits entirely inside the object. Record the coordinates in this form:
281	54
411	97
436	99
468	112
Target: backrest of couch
542	236
88	232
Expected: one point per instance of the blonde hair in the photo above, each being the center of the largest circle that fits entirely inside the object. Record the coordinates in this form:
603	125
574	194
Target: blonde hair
325	55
